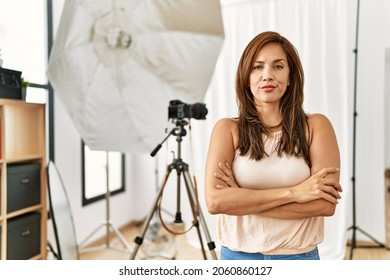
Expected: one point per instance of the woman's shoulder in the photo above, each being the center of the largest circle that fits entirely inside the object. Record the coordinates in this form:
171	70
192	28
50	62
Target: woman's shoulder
226	123
225	129
318	121
226	126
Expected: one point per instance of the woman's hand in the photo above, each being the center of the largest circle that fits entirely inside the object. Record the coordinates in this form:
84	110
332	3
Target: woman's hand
319	187
226	176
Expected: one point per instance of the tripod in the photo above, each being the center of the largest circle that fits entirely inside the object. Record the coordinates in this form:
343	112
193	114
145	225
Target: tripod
181	170
107	224
354	227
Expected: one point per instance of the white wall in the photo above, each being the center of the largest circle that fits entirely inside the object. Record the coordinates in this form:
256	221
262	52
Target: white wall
387	89
370	164
387	107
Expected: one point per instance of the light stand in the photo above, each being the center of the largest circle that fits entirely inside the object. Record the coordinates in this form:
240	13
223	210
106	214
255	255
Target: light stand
181	169
354	227
107	224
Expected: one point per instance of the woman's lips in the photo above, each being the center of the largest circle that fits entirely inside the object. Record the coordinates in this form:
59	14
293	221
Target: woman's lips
268	88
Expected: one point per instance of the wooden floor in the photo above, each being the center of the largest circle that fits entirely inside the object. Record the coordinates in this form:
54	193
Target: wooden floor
163	245
156	245
367	251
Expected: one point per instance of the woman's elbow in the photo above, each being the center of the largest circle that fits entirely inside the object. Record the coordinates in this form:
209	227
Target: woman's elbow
213	204
329	210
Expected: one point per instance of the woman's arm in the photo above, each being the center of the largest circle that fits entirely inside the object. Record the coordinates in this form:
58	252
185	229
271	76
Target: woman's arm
223	195
324	152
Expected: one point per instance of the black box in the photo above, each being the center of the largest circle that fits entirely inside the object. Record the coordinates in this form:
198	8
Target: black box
10	84
24	236
23	186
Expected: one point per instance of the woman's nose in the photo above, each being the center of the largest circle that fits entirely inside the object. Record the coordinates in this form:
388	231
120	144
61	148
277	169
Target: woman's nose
267	74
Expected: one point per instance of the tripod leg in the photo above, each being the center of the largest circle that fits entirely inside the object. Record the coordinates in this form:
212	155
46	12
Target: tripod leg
192	196
81	245
379	244
195	215
140	238
353	242
121	238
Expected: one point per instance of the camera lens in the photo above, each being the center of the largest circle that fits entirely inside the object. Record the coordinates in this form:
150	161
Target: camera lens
199	111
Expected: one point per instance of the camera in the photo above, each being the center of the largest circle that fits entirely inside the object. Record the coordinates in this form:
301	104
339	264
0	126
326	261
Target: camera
180	110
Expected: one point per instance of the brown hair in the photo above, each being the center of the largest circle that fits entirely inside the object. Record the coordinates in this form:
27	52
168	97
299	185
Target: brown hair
294	120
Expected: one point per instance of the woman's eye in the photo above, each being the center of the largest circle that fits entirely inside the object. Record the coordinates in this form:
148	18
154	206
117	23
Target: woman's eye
278	66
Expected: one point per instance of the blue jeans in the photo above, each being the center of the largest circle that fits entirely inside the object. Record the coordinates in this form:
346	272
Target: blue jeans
227	254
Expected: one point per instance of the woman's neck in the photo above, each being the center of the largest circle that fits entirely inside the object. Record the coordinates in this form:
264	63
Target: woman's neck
270	116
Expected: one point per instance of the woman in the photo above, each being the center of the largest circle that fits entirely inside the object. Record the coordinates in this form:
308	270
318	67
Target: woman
272	174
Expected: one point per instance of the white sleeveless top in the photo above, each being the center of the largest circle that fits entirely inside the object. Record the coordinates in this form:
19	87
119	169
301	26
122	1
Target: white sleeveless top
257	234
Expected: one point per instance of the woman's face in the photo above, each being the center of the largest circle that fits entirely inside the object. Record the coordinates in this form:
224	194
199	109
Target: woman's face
270	75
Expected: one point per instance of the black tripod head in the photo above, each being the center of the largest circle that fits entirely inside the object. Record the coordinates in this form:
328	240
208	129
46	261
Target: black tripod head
179	131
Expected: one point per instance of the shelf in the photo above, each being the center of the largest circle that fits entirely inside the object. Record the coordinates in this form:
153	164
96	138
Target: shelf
22	141
21	159
23	211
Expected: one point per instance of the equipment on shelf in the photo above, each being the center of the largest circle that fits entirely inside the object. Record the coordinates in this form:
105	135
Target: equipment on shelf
10	83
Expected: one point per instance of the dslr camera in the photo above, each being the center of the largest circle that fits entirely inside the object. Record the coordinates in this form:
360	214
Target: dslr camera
180	110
